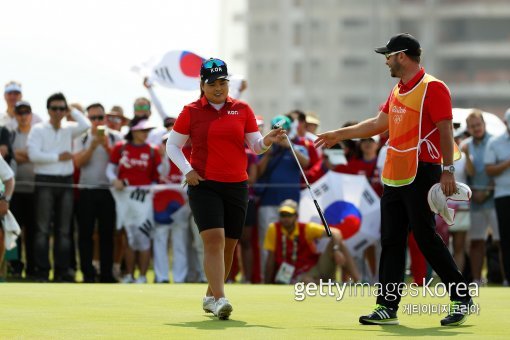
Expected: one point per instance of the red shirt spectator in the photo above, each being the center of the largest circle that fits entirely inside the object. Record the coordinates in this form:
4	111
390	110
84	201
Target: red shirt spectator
138	164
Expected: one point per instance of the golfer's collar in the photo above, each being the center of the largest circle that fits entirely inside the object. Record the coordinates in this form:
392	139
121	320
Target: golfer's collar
205	102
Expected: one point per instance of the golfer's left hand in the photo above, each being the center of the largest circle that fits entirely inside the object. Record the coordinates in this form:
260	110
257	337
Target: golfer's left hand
274	136
193	178
448	184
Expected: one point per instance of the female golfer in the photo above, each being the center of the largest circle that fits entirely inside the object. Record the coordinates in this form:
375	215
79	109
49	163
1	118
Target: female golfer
218	127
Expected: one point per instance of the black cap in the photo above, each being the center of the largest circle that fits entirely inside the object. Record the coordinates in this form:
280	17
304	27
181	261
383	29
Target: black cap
213	69
400	42
21	104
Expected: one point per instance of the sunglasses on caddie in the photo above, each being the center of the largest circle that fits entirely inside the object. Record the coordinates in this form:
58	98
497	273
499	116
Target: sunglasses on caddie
388	55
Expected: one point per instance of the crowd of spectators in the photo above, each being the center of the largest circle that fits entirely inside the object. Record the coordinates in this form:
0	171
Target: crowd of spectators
66	168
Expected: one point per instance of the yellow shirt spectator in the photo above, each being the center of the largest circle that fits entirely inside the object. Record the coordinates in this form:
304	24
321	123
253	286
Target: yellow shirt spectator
313	231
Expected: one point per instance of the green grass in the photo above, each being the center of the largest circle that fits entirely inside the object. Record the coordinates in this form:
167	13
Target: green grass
79	311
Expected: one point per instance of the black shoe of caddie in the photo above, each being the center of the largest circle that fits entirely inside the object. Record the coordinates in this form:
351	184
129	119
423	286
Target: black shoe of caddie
381	315
458	313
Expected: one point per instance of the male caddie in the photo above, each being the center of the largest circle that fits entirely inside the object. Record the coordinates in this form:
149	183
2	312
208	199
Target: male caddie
418	114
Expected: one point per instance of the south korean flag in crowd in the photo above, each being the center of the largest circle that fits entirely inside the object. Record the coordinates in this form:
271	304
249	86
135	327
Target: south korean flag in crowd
134	207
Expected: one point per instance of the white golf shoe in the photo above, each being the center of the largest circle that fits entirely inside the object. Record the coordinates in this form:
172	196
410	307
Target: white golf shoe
223	309
209	304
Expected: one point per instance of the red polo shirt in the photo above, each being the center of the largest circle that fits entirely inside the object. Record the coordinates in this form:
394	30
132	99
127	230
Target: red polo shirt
217	138
437	106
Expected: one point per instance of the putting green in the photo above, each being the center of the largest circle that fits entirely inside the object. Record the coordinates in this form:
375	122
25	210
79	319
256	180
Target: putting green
174	311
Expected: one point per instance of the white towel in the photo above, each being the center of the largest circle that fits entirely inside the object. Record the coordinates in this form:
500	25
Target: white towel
11	230
438	201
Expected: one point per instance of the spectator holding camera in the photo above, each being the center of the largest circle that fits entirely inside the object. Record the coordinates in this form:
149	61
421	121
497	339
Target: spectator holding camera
95	203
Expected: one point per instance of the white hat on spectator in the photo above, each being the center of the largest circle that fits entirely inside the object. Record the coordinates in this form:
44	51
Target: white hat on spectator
438	202
312	118
143	124
12	86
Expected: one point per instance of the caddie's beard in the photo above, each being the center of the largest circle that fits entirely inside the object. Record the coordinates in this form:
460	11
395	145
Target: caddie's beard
396	70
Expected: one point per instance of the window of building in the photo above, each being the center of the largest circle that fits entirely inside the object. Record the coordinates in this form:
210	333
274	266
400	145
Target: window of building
353	62
410	26
354	102
315	104
352	23
298	34
298	73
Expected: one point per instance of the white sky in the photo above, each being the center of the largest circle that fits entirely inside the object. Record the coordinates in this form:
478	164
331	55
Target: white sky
86	48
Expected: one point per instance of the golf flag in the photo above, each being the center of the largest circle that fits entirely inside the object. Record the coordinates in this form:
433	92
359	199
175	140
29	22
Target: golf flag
349	204
178	69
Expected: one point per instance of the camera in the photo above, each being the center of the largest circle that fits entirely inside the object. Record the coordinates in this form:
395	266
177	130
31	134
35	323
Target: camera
100	131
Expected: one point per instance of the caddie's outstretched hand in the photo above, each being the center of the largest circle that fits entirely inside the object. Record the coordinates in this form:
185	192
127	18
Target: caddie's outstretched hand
327	139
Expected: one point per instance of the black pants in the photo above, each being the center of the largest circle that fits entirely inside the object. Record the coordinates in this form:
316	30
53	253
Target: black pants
503	212
22	207
96	205
407	207
53	203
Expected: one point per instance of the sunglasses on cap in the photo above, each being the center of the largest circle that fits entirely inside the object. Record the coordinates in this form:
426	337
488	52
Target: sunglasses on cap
389	54
113	119
142	107
213	63
58	108
98	118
